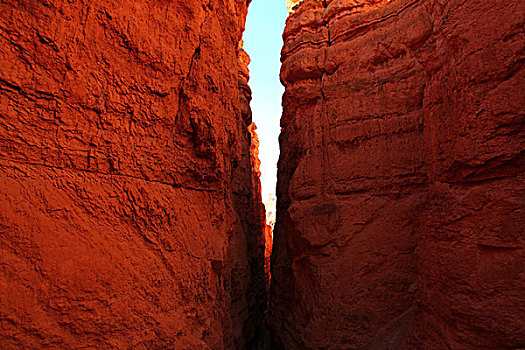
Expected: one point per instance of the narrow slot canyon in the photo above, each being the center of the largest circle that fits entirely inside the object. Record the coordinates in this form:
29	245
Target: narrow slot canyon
134	165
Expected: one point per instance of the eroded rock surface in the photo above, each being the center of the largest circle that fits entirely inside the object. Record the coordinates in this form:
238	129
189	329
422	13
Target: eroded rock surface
130	216
401	177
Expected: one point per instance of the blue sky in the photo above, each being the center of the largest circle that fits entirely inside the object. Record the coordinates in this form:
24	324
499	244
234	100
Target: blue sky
263	42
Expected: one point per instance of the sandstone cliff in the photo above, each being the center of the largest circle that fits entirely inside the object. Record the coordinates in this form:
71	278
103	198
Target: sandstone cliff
130	216
401	178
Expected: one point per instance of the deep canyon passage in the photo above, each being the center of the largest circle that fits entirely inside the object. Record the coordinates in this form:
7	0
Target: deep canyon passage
130	203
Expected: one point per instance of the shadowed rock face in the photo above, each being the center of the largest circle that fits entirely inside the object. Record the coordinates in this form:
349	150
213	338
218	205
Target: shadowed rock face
130	216
401	176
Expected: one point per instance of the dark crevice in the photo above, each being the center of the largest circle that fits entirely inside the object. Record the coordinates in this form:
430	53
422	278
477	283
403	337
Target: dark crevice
195	57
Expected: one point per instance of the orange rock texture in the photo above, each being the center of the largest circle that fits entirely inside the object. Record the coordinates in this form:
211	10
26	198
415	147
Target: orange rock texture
130	216
401	186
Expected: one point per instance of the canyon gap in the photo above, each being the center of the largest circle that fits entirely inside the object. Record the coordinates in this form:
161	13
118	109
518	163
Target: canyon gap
130	209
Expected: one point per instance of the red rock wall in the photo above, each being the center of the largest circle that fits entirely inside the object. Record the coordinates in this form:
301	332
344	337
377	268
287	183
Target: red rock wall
471	255
401	176
130	216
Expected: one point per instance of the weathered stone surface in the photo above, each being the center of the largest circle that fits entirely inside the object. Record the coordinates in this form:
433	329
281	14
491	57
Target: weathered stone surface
130	216
471	254
401	176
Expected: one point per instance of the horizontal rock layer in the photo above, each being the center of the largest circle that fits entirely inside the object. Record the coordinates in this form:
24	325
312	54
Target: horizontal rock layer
130	216
401	176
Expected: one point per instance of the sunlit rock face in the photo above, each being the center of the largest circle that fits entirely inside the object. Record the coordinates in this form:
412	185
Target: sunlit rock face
401	176
290	4
130	217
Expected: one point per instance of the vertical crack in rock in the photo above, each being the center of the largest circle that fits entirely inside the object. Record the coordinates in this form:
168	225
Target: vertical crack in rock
194	57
